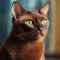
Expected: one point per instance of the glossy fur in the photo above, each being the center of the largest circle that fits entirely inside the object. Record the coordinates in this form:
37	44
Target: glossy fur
25	42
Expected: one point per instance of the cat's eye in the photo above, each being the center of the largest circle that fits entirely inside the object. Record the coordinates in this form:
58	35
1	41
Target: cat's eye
30	22
44	22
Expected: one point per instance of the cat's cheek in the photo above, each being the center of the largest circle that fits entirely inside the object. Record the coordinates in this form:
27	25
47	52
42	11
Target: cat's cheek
31	26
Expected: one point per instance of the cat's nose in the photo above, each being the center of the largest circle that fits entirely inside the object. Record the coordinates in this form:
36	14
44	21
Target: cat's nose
42	28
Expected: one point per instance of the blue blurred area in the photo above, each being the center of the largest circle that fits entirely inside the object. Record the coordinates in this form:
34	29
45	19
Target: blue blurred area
5	19
31	4
5	14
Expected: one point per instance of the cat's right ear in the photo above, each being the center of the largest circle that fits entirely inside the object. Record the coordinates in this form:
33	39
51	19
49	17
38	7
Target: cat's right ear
17	10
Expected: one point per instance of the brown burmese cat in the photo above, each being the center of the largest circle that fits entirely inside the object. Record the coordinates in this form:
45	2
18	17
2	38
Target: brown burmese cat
29	29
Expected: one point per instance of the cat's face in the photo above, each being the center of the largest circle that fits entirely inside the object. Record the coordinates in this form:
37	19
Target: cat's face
30	23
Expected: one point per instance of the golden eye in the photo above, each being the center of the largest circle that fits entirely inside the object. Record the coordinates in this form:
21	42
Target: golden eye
44	22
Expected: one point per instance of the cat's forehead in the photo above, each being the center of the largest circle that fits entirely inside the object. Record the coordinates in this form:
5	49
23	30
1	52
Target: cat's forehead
38	14
32	15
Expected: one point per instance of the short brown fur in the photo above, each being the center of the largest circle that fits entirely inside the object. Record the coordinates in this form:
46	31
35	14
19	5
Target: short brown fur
25	41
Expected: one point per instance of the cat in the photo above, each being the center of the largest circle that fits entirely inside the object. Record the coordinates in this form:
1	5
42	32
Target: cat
29	28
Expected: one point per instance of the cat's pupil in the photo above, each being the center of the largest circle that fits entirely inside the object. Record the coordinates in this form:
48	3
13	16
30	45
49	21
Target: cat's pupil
44	22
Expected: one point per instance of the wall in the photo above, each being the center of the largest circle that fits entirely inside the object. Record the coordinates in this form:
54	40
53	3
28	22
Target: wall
55	29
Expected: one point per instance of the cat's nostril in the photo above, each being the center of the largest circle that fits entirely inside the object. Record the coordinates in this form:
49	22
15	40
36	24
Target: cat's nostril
38	28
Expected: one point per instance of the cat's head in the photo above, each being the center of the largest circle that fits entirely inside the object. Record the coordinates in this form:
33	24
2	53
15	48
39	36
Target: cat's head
30	23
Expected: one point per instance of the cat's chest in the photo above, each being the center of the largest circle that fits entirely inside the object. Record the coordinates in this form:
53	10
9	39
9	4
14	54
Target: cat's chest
29	51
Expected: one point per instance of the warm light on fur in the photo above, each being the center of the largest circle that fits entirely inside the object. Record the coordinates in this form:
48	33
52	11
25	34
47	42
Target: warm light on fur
25	41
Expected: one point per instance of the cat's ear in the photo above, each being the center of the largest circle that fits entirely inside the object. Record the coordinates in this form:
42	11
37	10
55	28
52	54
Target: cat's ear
17	10
45	8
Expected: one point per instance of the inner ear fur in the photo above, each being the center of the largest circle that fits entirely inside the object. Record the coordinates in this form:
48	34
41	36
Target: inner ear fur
45	8
17	9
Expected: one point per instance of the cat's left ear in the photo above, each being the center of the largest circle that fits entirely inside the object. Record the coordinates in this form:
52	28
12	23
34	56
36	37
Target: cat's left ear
45	8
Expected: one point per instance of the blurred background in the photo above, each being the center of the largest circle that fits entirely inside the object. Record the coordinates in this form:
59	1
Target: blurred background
52	40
